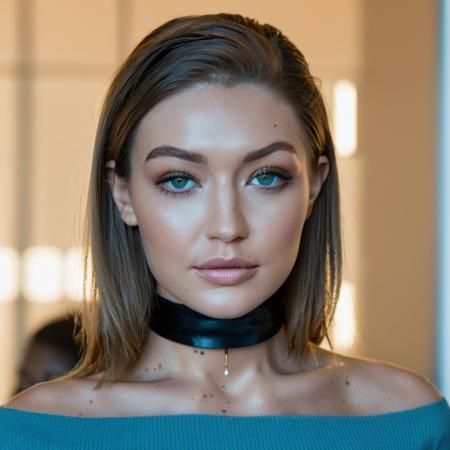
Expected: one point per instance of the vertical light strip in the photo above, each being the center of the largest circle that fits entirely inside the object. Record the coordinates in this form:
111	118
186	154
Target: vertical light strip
443	247
25	36
344	320
9	274
345	117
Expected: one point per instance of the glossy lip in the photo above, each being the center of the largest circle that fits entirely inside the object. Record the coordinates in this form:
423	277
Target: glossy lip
227	276
216	263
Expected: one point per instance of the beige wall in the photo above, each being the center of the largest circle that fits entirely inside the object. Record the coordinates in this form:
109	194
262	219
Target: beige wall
52	88
398	125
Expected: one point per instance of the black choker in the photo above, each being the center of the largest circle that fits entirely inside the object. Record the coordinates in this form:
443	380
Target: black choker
182	324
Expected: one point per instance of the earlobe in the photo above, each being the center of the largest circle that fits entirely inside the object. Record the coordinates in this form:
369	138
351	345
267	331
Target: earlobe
317	182
121	195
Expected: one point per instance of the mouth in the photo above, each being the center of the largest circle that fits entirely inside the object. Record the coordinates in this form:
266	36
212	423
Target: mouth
227	275
225	267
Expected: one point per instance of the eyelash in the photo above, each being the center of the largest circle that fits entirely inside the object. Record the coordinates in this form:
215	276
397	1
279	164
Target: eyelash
170	175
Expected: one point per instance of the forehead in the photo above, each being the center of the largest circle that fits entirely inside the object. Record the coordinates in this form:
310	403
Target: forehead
212	118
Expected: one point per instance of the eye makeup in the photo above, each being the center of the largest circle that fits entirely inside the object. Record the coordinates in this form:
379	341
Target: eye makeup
266	173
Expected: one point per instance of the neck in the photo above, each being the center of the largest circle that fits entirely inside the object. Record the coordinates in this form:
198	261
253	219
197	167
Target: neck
163	358
184	344
179	323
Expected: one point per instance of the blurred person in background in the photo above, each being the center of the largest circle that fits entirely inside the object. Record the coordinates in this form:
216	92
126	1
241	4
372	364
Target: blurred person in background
50	352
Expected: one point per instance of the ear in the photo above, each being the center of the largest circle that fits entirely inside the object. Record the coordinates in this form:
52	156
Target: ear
317	181
121	194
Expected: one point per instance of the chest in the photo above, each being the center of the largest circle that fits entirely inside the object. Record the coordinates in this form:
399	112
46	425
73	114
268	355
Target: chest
327	393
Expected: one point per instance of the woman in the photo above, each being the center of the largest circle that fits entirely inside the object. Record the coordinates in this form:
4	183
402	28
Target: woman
215	238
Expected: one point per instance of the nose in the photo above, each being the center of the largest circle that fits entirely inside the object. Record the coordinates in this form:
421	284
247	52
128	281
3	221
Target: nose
226	219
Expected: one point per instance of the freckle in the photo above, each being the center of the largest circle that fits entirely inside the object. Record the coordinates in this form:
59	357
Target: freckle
211	395
347	382
202	352
228	401
205	396
343	400
159	366
195	351
91	401
223	386
155	369
274	124
146	369
224	410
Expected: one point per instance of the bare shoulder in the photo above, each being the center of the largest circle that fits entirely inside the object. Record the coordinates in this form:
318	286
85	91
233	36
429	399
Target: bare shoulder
382	387
50	397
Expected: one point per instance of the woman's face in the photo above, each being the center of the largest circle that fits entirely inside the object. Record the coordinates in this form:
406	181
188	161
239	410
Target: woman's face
188	212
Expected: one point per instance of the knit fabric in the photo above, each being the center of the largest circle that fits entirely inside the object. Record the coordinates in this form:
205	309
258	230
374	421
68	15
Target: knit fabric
426	427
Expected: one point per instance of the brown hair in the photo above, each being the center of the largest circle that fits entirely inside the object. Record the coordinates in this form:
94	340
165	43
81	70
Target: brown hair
225	49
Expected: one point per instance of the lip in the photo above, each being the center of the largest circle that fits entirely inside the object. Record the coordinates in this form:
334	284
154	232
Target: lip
228	276
220	263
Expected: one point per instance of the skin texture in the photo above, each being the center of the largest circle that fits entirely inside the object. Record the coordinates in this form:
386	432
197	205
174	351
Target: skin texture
226	214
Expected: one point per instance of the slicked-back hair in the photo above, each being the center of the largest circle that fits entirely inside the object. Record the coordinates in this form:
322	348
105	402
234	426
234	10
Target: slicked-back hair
224	50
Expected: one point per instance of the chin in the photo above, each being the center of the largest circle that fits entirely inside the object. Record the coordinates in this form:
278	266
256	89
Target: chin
224	308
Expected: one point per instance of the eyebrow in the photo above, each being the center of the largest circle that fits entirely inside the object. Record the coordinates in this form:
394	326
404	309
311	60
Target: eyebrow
199	158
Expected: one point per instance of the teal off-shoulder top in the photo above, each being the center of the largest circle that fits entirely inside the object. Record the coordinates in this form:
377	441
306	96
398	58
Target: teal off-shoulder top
425	428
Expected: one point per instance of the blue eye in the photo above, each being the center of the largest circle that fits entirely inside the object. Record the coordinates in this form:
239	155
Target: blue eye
268	174
265	176
178	180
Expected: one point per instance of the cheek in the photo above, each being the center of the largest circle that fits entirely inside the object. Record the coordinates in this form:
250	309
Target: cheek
167	231
279	241
282	235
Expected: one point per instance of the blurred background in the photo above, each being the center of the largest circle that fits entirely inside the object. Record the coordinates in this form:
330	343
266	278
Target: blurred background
382	69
